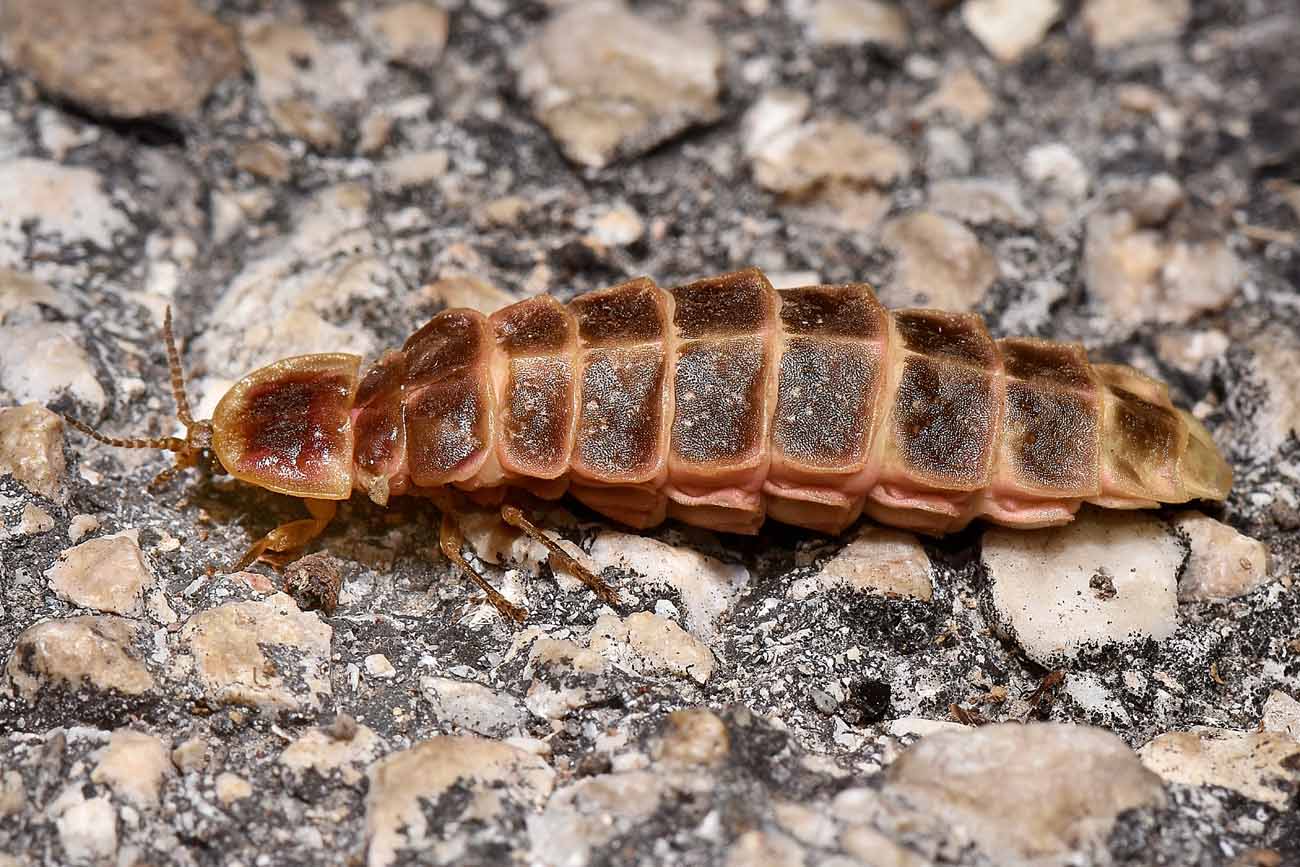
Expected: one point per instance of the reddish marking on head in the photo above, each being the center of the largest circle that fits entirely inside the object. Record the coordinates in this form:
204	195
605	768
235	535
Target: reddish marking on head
287	426
291	427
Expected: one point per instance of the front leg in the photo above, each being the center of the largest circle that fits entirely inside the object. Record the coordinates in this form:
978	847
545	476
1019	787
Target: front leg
289	539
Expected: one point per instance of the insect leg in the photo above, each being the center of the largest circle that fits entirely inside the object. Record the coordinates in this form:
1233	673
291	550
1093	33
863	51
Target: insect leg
451	540
515	517
291	537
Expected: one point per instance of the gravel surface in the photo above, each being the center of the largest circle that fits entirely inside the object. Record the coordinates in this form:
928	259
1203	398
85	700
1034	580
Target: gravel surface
296	177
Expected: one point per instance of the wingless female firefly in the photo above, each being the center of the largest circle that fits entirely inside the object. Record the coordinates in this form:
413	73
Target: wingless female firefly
720	403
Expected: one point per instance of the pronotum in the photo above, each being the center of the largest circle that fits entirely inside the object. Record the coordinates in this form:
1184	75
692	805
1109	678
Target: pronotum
719	403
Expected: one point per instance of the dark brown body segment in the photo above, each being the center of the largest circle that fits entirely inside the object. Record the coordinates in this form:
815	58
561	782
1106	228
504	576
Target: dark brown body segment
621	399
450	399
1051	428
538	338
381	426
830	378
724	327
946	401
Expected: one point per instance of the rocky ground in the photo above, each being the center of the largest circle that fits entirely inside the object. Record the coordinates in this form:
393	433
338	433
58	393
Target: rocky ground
294	177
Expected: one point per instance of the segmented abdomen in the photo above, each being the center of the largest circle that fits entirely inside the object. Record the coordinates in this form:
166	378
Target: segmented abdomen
725	401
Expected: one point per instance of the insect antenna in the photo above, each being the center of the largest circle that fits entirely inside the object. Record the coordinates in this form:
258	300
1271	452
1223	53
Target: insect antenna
198	434
171	444
178	375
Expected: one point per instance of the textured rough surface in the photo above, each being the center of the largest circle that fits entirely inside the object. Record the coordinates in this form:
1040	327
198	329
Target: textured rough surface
941	263
1127	182
133	765
68	202
95	653
508	778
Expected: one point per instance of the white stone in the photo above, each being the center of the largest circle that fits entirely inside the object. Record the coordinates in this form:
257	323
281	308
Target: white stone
1105	579
378	666
1192	350
1024	791
939	263
1138	274
1277	358
227	644
856	22
1258	765
774	112
960	96
328	754
34	521
402	782
13	793
1115	23
636	82
231	787
829	150
302	79
764	849
134	765
694	737
588	813
915	725
22	297
413	32
878	560
617	226
191	755
298	295
1223	563
1057	167
414	169
105	574
1091	693
1198	277
1010	28
473	706
64	367
565	676
1282	714
869	846
68	202
707	586
646	643
807	825
97	652
981	200
88	830
828	171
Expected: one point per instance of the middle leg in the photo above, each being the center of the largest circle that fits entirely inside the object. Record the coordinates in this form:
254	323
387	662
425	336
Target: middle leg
451	539
515	517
